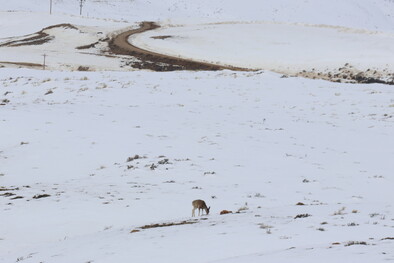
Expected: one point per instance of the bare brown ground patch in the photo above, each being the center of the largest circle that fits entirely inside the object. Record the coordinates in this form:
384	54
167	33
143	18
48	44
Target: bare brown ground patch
22	64
348	74
88	46
161	37
169	224
2	188
37	38
159	225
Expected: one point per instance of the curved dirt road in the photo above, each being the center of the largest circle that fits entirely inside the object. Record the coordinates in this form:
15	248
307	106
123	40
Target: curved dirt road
156	61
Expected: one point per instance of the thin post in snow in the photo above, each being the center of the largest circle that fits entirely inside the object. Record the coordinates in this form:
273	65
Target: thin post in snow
50	7
43	65
80	6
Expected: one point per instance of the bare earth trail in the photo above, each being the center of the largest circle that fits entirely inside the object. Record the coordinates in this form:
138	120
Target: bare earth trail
155	61
23	64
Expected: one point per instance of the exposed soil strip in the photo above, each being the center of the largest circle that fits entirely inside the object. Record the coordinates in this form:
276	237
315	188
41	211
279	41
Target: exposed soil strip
349	74
88	46
169	224
8	189
35	39
38	196
7	194
155	61
161	37
186	222
38	38
23	64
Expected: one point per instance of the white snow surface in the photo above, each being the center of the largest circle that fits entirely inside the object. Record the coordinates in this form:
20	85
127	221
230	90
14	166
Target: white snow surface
367	14
250	142
288	48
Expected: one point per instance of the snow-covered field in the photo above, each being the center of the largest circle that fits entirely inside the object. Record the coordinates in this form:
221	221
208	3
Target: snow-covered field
237	140
366	14
287	48
103	166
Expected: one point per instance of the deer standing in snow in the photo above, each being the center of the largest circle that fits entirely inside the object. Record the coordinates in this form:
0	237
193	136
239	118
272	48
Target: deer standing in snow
200	205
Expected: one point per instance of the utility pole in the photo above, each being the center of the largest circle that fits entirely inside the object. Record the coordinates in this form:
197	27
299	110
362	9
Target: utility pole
50	7
43	65
81	2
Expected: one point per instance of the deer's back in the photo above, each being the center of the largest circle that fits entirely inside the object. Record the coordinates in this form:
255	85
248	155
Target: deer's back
199	204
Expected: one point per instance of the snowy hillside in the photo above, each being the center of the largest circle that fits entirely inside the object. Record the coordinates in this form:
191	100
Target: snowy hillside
250	141
285	48
368	14
316	39
100	159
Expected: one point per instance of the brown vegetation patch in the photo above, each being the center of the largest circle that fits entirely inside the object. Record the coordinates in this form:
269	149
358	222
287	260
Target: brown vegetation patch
83	68
8	189
161	37
135	157
17	197
41	196
224	212
352	243
349	74
302	216
7	194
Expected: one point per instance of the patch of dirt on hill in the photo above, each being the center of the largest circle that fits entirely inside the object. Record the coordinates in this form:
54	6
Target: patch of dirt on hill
21	64
88	46
350	74
185	222
37	38
161	37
